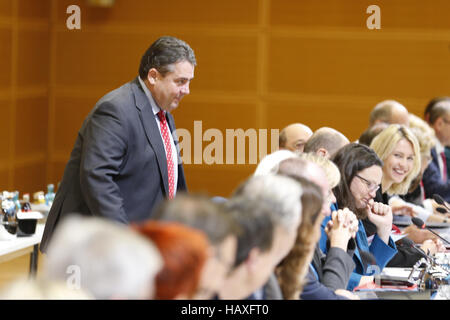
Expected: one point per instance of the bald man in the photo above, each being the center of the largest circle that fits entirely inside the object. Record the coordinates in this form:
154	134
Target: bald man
325	142
294	137
389	111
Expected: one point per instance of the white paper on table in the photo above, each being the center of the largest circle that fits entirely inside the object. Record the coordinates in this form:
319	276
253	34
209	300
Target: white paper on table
395	237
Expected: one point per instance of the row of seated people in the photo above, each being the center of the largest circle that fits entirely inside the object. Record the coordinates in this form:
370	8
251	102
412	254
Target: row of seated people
307	224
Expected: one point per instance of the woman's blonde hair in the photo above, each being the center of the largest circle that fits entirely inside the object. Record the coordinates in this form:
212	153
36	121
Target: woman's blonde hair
423	132
330	169
385	142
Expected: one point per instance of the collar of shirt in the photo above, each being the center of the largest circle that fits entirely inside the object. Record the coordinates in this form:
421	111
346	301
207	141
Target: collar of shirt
439	147
152	101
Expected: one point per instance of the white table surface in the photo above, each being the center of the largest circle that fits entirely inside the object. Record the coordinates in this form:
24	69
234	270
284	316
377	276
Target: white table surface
18	243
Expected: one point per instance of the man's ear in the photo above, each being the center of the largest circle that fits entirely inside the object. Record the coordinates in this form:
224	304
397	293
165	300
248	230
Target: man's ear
253	259
322	152
152	75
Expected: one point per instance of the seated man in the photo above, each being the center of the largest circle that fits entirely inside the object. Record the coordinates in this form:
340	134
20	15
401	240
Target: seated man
205	215
104	258
294	137
279	198
389	111
435	178
325	142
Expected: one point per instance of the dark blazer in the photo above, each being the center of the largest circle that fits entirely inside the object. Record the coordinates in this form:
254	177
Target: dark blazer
334	268
432	180
270	291
118	167
314	290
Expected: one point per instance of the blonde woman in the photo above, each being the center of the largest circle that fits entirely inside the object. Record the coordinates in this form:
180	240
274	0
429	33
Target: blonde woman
416	204
399	150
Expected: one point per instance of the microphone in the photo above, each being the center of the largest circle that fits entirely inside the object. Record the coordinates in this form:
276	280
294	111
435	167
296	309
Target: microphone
440	201
442	210
421	225
409	243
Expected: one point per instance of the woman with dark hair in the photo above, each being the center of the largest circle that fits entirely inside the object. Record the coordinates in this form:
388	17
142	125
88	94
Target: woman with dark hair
307	273
292	270
361	175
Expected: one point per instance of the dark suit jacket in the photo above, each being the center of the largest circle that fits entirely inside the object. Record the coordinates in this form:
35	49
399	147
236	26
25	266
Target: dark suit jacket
334	268
432	180
118	167
315	290
270	291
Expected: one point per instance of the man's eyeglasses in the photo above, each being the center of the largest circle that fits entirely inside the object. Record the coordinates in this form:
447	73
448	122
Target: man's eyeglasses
370	185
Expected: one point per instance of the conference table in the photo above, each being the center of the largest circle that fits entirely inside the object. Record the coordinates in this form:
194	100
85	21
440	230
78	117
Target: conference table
442	293
15	247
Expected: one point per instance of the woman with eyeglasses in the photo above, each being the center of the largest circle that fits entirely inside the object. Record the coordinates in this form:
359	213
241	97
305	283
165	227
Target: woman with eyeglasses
361	174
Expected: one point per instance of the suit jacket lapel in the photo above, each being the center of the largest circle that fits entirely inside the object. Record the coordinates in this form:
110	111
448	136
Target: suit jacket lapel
151	130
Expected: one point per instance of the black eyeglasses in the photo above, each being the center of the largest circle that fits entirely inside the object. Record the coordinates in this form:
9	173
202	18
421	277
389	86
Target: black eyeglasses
370	185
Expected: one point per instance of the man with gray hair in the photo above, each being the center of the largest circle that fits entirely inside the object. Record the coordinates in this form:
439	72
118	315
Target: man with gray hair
281	196
325	142
126	157
104	258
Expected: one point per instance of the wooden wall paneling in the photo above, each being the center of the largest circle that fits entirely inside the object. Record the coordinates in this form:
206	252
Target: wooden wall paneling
4	177
5	57
91	59
31	126
225	64
13	91
51	134
268	61
33	57
170	12
216	180
29	10
5	130
57	170
6	8
398	14
358	67
201	118
317	113
30	177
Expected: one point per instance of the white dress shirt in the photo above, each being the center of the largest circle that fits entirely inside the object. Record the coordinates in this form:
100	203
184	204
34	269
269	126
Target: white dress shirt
156	109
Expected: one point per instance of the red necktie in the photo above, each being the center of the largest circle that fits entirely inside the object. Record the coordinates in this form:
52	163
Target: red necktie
444	161
166	138
422	190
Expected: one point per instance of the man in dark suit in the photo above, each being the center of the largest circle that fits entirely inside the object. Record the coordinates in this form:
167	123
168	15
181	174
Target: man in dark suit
126	157
435	178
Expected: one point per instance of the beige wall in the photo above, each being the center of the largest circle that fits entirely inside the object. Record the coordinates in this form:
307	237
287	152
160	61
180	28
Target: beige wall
261	64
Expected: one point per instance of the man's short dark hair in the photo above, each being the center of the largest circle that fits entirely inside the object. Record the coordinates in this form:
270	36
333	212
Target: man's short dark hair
430	106
257	227
163	53
437	110
198	212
